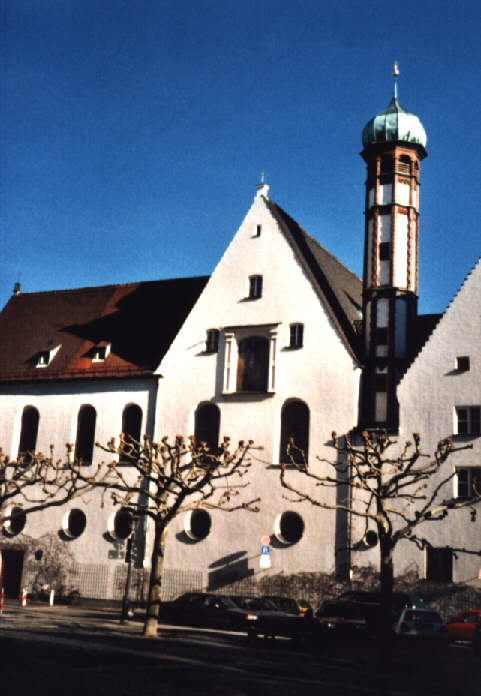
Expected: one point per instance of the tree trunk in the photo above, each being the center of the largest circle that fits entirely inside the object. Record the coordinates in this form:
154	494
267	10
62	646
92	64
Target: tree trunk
153	602
387	583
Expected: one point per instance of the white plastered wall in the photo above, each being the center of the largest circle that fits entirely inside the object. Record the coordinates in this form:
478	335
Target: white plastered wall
58	405
323	374
428	395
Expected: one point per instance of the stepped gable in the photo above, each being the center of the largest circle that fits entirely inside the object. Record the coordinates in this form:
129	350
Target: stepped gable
137	321
339	289
423	326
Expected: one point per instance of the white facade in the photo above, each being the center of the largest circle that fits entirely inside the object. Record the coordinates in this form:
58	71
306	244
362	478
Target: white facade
434	387
96	558
322	374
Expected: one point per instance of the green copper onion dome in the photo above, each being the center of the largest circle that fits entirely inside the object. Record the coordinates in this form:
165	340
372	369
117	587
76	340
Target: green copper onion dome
394	124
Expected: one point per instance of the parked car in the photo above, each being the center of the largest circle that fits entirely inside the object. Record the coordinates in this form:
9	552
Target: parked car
204	610
463	625
296	606
264	618
346	618
477	640
421	624
400	600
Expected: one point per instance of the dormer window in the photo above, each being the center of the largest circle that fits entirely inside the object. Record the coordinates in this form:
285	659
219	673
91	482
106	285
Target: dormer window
45	357
212	341
100	353
255	287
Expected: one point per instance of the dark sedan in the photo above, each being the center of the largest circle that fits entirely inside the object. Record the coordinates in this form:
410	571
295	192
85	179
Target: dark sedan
205	610
264	618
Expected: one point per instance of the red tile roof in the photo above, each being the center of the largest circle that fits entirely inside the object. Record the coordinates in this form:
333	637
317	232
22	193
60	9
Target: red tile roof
138	320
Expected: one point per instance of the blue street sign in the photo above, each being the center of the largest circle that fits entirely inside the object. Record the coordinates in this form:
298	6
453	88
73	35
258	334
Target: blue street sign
265	550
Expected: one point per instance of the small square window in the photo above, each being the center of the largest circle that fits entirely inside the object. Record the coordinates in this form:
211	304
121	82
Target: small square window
258	230
384	251
255	287
296	335
212	341
462	363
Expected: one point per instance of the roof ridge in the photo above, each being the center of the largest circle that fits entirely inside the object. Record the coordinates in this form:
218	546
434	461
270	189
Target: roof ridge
313	239
318	274
132	284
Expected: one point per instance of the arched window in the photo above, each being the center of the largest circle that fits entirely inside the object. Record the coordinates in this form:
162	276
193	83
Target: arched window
295	425
131	426
253	364
207	422
84	445
28	432
404	166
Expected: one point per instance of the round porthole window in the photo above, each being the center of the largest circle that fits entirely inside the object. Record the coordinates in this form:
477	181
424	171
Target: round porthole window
370	538
289	527
119	524
17	521
74	523
197	524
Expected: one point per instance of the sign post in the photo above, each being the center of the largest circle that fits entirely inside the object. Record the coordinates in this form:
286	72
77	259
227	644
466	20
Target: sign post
265	557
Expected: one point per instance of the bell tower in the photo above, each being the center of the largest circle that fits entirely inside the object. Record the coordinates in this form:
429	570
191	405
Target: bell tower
393	146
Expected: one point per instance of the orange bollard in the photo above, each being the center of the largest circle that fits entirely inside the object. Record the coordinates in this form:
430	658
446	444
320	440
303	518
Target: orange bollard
23	597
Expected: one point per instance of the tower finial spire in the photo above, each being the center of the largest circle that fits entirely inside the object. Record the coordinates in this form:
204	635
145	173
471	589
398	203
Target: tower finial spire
395	74
262	188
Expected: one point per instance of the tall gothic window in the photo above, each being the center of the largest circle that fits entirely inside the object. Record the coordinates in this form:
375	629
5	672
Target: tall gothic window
207	423
84	445
253	364
29	431
295	425
131	426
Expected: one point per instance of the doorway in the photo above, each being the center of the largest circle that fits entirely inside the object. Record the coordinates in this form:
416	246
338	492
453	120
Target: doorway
12	568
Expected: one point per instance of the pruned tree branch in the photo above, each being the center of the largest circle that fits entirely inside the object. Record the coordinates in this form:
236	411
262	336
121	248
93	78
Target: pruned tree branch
35	481
162	480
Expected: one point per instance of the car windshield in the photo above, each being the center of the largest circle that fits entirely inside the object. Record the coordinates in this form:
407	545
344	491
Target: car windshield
345	611
226	603
421	617
255	603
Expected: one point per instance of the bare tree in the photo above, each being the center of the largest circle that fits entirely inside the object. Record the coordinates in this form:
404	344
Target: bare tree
159	481
33	482
395	493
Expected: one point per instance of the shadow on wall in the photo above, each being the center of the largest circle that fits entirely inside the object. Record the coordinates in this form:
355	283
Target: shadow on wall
229	569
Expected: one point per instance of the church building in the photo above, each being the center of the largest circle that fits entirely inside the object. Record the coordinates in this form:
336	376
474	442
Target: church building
281	341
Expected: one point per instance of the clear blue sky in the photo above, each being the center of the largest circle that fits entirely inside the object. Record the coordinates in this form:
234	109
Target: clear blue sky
134	131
